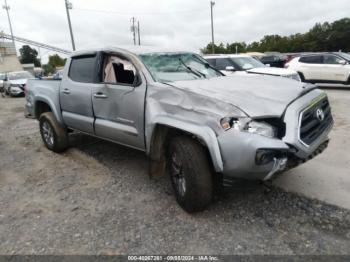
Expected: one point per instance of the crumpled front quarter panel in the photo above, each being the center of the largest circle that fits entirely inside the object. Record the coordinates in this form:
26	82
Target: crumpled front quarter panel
187	111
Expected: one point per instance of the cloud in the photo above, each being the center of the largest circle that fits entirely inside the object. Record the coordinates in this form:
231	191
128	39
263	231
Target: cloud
171	23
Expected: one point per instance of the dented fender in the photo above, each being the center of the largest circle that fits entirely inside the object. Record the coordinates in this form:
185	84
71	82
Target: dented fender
206	135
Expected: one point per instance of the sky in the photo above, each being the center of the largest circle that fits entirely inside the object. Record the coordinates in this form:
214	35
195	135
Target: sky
178	23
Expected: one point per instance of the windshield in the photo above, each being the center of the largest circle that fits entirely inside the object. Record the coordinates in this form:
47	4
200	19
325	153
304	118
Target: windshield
246	63
169	67
19	75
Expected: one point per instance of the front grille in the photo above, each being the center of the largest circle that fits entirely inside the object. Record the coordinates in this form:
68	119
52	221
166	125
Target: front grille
311	123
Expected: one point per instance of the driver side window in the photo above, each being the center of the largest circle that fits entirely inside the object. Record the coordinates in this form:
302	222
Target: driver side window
118	70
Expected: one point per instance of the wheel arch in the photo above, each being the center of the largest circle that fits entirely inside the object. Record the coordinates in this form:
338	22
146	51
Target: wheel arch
164	128
44	104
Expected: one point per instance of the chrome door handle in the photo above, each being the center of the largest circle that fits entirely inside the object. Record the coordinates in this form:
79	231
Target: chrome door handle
66	91
100	95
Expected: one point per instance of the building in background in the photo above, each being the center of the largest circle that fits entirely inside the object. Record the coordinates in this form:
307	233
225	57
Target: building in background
8	57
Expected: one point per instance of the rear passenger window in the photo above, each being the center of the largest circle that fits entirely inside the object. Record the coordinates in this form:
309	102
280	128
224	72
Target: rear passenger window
332	60
82	69
311	59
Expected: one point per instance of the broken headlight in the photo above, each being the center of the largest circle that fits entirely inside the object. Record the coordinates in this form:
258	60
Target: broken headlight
248	125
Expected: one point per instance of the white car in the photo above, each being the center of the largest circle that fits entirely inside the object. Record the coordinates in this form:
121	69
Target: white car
245	64
322	67
15	81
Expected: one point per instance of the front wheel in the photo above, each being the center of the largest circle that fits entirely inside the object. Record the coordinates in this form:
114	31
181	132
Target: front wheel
190	174
55	136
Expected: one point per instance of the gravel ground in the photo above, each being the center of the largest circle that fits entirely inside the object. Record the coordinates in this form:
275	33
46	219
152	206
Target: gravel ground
96	198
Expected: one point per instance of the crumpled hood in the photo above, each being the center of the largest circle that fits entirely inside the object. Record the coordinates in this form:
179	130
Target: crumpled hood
256	95
272	71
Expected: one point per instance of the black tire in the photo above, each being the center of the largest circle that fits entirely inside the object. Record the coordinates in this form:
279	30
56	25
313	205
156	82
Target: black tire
188	160
57	141
301	76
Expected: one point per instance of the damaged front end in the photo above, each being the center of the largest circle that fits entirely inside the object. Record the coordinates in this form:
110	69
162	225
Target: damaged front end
262	155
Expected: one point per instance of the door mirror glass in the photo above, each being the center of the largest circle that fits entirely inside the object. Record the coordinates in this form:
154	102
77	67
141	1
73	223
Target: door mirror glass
230	68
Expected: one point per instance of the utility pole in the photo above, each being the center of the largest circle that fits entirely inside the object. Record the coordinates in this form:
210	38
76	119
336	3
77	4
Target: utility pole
7	8
69	6
212	3
133	29
138	31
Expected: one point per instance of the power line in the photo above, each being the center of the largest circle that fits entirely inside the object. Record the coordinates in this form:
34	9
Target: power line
70	6
138	31
133	29
7	8
141	13
212	3
31	42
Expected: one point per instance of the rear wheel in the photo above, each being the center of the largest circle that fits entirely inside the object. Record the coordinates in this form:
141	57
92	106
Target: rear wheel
55	136
190	174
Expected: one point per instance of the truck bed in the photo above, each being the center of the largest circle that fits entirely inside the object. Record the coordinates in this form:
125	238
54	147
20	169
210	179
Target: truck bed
46	90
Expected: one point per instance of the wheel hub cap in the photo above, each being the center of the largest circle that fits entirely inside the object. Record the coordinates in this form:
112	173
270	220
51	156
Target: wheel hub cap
48	134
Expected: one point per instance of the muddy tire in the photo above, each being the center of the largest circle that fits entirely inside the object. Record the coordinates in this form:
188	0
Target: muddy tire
55	136
190	174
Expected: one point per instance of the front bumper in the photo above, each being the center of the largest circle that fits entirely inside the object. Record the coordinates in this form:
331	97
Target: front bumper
239	150
16	91
240	156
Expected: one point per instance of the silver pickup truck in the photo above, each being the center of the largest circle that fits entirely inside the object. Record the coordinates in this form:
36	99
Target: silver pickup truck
194	124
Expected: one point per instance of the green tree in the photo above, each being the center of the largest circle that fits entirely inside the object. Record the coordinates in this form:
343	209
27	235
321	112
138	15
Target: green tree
56	61
48	69
29	55
321	37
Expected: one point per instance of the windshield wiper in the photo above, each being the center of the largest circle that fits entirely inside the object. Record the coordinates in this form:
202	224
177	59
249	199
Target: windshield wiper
193	71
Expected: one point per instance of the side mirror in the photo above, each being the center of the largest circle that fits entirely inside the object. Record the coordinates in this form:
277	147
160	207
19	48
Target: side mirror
268	65
343	62
230	68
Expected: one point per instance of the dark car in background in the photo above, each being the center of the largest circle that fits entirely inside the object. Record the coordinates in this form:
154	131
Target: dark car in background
274	59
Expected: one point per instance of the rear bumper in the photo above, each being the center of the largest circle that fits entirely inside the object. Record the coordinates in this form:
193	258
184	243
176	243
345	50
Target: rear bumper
29	107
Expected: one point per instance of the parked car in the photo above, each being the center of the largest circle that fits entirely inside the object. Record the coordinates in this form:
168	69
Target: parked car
243	64
15	82
201	127
274	59
322	67
2	78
